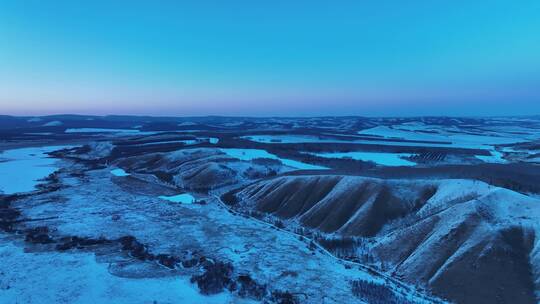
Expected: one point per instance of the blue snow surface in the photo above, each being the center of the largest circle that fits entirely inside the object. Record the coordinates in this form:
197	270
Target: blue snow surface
457	140
250	154
79	278
184	198
385	159
407	136
119	172
21	169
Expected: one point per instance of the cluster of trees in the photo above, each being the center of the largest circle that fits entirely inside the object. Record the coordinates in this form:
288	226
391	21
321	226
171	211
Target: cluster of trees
342	246
8	214
51	183
81	150
249	288
252	173
215	278
279	224
256	214
283	297
218	276
165	177
38	235
230	198
374	293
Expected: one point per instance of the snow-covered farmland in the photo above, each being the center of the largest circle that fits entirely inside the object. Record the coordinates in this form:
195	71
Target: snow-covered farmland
20	169
116	132
288	139
52	277
457	140
250	154
385	159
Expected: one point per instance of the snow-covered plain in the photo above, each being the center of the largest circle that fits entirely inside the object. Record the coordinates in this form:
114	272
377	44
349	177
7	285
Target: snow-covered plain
253	247
54	123
20	169
184	198
385	159
457	139
101	130
52	277
288	139
116	132
119	172
39	133
420	135
250	154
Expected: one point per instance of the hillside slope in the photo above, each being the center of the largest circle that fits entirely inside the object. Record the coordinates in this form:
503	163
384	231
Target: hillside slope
465	240
200	168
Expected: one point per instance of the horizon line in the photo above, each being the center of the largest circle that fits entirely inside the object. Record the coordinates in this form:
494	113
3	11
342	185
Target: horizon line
273	116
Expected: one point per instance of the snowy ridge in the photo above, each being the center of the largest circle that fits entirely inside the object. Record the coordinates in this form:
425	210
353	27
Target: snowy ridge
426	232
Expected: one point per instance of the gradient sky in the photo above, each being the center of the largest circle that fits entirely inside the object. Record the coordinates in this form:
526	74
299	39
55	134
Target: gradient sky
265	58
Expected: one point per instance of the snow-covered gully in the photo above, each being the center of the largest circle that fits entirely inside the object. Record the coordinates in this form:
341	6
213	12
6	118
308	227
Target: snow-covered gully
311	242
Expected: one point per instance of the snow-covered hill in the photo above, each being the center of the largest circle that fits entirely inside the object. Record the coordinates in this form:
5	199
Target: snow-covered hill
465	240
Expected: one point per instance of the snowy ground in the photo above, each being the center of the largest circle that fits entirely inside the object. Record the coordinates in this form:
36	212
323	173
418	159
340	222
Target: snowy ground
287	139
119	172
456	137
116	132
250	154
99	204
20	169
53	277
149	200
385	159
184	198
418	134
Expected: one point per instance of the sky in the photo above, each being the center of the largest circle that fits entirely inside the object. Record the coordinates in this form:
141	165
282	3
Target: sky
270	58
